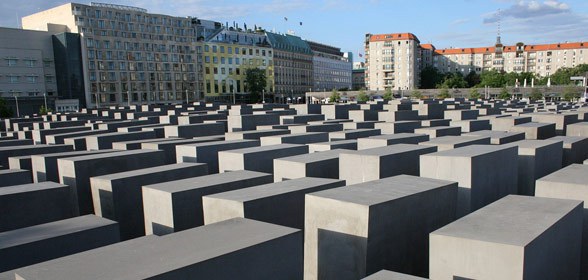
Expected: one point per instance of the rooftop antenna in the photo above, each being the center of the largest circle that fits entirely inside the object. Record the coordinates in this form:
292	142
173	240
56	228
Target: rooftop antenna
499	22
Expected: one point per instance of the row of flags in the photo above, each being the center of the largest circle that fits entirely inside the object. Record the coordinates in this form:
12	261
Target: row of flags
286	19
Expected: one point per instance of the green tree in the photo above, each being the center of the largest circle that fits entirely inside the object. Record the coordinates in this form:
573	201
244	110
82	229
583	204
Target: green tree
431	77
444	93
504	94
571	93
5	111
492	78
256	82
535	94
44	111
562	75
362	96
472	79
474	93
453	80
387	94
416	94
335	96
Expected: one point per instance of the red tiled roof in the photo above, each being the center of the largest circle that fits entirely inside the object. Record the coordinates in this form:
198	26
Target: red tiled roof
393	37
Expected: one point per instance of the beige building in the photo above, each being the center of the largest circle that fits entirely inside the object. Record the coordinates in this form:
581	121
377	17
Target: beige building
130	53
395	60
392	61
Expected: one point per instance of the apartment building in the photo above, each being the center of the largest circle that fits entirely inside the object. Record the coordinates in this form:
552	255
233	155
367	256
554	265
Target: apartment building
392	61
293	67
227	56
330	67
128	53
387	53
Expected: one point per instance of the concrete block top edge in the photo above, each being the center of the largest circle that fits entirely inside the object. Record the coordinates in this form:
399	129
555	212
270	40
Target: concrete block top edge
394	136
513	220
42	231
575	174
148	171
264	148
113	154
472	151
390	275
206	181
312	157
383	190
390	149
16	189
219	142
272	189
533	144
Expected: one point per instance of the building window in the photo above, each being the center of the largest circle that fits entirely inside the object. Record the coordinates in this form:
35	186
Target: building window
11	61
13	79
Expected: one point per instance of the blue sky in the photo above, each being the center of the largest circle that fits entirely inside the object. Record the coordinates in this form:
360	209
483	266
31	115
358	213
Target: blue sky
344	23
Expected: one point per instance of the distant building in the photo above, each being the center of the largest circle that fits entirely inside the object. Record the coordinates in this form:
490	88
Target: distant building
358	79
331	70
27	69
292	65
349	57
395	60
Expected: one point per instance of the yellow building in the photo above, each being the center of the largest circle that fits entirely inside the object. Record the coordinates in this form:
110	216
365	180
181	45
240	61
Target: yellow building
226	63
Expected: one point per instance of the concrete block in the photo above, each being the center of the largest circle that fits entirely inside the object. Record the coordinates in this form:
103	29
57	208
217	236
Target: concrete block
435	122
398	127
60	138
327	146
363	115
451	142
439	131
353	134
505	123
461	115
472	125
257	158
485	173
21	162
517	237
430	111
35	244
322	165
377	163
194	130
249	122
330	127
537	158
337	111
561	121
6	152
280	203
33	204
118	196
11	177
16	142
391	275
234	249
104	141
44	166
577	129
177	205
254	134
354	231
39	135
169	147
301	119
575	149
569	183
390	139
301	138
136	144
535	131
498	137
394	116
76	171
207	152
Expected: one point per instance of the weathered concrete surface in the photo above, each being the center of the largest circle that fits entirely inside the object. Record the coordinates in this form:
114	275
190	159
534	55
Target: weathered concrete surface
33	204
44	166
575	149
471	125
169	147
207	152
254	134
118	196
11	177
505	123
257	158
390	139
177	205
35	244
194	130
105	141
578	129
332	145
439	131
354	231
321	165
451	142
77	171
301	138
15	151
280	203
535	131
377	163
517	237
234	249
353	134
499	137
485	173
398	127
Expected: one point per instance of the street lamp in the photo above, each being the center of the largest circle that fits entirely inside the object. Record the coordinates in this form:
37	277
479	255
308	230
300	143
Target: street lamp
263	96
187	98
234	93
129	98
45	97
16	101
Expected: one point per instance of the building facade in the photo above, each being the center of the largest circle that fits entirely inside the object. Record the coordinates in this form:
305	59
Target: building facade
227	57
128	53
395	60
331	70
293	69
27	69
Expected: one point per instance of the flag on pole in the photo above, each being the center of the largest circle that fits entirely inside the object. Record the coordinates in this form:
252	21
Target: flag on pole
301	23
285	18
360	55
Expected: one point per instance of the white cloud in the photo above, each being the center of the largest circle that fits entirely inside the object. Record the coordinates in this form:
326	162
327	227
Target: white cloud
529	9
